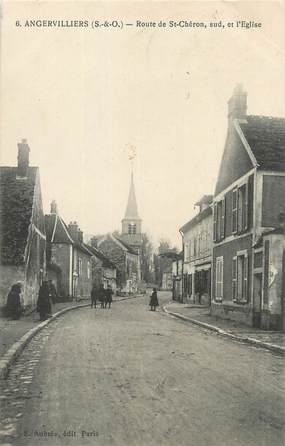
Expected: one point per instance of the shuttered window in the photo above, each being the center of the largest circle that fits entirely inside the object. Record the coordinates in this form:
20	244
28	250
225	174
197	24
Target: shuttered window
219	278
234	278
215	223
240	277
234	211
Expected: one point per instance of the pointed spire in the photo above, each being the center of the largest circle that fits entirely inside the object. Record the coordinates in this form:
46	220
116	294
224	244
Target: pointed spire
132	209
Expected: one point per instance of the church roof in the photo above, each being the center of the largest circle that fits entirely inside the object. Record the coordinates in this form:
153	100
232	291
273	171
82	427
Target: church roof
132	208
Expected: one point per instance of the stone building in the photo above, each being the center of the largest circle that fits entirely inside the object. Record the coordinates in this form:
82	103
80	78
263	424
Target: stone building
125	258
103	270
68	259
22	229
197	239
249	210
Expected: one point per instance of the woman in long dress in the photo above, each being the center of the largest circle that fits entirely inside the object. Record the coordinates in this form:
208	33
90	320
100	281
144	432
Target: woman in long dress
153	300
44	305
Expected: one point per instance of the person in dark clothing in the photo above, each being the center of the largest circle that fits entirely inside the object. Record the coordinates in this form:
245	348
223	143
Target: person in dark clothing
153	300
13	306
52	291
101	296
94	296
44	305
108	296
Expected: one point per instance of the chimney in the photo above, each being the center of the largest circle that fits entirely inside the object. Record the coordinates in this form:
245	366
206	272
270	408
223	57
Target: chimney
80	236
23	159
73	229
237	104
53	207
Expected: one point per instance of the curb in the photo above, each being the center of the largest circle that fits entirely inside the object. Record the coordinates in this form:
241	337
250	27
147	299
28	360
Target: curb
12	354
267	345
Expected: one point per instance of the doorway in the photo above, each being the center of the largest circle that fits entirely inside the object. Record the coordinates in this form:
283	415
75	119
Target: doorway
257	296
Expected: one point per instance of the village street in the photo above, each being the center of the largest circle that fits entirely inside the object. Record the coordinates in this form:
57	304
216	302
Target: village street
128	376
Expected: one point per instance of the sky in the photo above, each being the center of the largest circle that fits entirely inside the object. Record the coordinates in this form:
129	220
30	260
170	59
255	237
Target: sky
83	97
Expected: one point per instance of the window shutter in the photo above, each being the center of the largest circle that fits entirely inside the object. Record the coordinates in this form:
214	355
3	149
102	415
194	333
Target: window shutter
246	206
222	277
215	223
245	277
234	278
223	218
234	211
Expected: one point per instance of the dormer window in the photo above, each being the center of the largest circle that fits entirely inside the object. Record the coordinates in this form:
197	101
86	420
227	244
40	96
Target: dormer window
132	228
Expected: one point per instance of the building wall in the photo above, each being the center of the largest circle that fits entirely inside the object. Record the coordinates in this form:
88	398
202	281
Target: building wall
10	275
198	241
83	274
235	161
117	255
273	186
227	308
60	255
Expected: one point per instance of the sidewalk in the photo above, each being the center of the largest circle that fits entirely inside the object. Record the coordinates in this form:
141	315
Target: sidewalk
201	315
11	330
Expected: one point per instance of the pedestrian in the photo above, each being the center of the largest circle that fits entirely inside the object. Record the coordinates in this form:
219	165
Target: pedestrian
94	296
108	296
101	295
52	291
153	300
13	307
44	304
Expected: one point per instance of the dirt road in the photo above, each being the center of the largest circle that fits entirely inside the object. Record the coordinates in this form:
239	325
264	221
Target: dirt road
131	377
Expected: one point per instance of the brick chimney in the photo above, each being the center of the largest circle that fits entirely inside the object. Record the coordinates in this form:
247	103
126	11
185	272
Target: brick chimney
73	229
53	207
237	104
23	159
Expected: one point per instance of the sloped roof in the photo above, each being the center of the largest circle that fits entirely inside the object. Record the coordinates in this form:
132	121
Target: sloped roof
206	199
197	219
99	254
266	138
126	245
16	205
56	229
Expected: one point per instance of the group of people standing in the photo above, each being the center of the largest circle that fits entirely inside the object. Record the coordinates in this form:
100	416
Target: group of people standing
46	297
102	295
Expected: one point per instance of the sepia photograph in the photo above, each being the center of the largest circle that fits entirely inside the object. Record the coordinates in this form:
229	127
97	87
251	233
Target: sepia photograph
142	223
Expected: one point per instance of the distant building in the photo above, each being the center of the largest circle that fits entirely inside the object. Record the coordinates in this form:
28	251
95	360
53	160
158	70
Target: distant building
126	259
197	238
68	259
249	212
22	229
103	270
167	279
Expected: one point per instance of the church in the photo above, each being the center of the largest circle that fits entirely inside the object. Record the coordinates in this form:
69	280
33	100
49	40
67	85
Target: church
125	250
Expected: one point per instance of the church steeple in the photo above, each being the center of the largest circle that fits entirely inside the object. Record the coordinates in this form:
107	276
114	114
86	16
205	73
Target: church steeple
132	208
131	223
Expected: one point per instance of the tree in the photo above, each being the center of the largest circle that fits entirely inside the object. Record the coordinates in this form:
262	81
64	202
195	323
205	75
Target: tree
146	258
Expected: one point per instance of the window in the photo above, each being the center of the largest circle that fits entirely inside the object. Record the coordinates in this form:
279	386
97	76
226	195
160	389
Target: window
219	278
88	269
80	267
234	211
240	278
242	208
132	228
219	220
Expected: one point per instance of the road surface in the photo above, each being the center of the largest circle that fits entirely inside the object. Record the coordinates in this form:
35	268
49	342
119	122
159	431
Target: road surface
131	377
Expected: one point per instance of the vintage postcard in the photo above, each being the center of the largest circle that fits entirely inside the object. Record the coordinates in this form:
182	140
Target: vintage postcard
142	211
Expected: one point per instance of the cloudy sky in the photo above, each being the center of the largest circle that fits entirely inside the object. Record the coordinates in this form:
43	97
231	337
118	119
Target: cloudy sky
83	96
